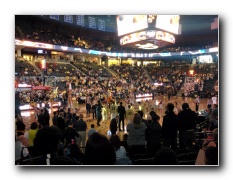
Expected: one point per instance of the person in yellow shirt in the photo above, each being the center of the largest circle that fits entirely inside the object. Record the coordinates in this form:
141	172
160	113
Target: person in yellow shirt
31	133
104	113
113	110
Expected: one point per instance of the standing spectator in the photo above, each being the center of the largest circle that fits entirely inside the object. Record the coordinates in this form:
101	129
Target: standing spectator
31	133
93	109
186	126
136	135
20	126
69	115
214	100
153	135
121	111
81	127
113	110
41	118
209	102
92	130
160	107
99	112
113	124
129	114
55	117
17	103
88	109
69	134
197	102
170	128
61	124
46	116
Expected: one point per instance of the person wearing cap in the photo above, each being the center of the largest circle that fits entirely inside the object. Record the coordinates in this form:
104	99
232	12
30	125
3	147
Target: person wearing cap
186	126
113	124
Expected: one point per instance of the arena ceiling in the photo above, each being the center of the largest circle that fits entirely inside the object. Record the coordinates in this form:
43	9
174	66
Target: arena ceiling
196	29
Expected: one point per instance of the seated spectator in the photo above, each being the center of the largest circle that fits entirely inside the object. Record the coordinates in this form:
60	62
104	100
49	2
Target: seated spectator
47	142
211	140
104	153
211	155
20	126
120	150
214	119
21	143
124	142
121	157
74	152
165	156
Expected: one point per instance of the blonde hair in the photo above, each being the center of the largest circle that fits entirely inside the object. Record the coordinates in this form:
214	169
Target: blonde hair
137	120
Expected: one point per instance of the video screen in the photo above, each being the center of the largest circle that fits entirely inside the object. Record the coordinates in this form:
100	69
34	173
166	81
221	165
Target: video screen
134	37
131	23
170	23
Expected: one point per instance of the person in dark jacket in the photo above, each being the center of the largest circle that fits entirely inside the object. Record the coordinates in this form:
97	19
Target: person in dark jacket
113	124
99	112
61	123
93	109
186	126
46	116
170	128
153	134
69	134
122	114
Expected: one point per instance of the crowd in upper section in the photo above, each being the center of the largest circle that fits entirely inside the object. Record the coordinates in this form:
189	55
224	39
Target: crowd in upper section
52	33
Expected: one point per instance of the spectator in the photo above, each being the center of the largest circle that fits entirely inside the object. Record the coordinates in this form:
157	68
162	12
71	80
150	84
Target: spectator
31	133
186	126
136	135
153	135
211	155
55	117
121	157
104	153
121	111
170	128
20	143
70	134
20	126
92	130
165	156
81	127
46	143
99	113
113	124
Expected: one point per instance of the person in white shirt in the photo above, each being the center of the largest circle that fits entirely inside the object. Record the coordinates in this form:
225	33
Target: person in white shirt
214	100
120	150
20	143
197	102
129	114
